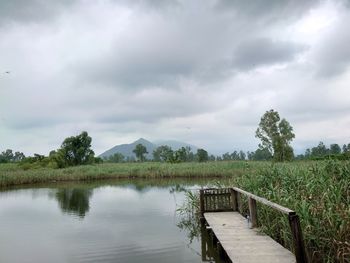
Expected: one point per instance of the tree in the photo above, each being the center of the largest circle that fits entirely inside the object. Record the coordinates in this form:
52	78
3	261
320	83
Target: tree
162	153
140	150
346	148
76	150
261	154
202	155
335	149
116	158
276	135
320	150
6	156
226	156
242	155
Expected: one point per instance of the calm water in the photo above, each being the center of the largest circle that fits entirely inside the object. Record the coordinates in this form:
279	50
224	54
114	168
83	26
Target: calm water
117	221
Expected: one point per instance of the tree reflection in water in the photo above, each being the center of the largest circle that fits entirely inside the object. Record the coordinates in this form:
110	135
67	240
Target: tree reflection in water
189	221
74	200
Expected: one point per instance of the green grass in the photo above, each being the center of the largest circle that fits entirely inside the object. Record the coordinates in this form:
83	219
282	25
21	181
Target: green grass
13	174
320	194
319	191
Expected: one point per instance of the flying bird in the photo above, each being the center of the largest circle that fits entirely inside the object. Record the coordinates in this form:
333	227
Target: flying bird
7	72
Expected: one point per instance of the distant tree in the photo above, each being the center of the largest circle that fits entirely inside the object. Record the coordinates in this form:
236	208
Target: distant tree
202	155
18	157
275	135
76	150
226	156
7	156
140	151
190	154
39	157
320	150
250	155
212	158
218	158
116	158
242	155
300	157
307	153
162	153
234	155
181	154
335	149
346	148
261	154
130	159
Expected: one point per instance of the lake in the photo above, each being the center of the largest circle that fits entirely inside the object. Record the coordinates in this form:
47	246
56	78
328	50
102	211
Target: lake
106	221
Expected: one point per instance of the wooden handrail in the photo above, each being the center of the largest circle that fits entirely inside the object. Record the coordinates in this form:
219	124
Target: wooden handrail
264	201
237	205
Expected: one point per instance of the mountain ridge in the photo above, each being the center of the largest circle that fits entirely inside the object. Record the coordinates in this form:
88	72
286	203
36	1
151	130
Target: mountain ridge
127	149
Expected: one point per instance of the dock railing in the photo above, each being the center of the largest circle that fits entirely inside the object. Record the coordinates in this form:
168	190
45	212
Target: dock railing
230	199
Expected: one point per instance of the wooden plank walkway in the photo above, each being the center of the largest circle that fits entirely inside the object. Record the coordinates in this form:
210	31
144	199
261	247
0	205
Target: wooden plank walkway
243	244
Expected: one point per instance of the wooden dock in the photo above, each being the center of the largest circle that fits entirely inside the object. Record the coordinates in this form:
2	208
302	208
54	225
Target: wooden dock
238	237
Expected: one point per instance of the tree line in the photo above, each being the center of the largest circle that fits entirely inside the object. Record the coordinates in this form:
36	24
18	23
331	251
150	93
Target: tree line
74	150
275	134
321	151
163	153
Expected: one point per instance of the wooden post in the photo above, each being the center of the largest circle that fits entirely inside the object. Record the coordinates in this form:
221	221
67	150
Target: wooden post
253	212
204	249
299	248
239	202
201	202
234	200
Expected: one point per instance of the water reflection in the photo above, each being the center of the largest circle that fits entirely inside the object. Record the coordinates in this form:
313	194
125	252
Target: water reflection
124	221
74	200
189	222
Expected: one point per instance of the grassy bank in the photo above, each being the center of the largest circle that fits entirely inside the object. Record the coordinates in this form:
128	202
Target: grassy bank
13	174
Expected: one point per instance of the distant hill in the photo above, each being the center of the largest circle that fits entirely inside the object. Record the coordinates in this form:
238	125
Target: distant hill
127	149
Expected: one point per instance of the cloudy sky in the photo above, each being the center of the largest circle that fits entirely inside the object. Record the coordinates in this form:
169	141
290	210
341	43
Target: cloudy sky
203	72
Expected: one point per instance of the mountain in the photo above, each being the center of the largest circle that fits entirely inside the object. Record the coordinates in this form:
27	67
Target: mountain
127	149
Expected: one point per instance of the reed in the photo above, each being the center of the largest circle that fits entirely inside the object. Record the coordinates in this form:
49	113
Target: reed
13	174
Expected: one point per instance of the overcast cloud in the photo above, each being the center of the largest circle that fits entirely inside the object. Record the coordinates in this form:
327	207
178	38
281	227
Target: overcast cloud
203	72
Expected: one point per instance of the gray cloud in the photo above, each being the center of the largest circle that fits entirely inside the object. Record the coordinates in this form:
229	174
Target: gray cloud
261	10
263	51
24	11
187	43
333	55
128	69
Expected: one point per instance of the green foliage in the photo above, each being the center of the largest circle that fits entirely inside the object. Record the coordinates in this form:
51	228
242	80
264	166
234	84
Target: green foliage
335	149
320	194
76	150
140	151
202	155
261	154
8	156
276	135
322	152
235	155
115	158
162	153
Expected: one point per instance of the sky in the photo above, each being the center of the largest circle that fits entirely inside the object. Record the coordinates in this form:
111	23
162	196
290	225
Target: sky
202	72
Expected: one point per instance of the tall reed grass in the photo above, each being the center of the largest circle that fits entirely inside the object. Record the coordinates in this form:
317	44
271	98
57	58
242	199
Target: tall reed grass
320	194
